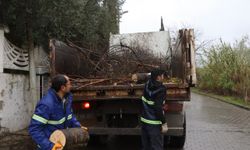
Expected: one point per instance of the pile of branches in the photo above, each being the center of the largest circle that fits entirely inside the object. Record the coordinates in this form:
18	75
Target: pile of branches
119	61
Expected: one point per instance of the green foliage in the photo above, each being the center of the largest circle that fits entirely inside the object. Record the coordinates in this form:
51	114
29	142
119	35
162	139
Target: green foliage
85	22
226	69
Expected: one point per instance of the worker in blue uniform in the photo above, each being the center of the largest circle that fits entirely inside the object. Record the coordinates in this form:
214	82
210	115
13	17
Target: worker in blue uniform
53	112
152	116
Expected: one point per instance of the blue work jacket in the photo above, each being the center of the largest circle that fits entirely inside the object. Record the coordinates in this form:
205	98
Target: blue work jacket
152	102
51	114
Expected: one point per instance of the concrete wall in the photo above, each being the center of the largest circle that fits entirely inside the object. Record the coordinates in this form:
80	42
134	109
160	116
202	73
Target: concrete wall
155	42
16	106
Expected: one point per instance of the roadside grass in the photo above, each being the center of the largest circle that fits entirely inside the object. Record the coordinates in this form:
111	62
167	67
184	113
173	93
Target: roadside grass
228	99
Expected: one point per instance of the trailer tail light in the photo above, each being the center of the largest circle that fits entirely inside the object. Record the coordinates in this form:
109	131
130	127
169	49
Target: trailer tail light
173	107
81	106
85	105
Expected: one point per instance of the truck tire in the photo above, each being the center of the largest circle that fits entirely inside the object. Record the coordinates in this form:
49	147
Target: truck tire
178	141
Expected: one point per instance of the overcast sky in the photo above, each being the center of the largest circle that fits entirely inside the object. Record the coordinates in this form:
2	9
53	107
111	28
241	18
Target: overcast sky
226	19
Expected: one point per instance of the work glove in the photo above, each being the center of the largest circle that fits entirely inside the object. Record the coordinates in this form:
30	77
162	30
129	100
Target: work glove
84	128
57	146
164	128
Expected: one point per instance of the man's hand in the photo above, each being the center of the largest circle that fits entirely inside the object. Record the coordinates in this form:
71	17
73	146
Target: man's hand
84	128
164	128
57	146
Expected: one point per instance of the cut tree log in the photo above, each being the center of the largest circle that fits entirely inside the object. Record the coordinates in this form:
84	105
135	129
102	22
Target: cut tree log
70	136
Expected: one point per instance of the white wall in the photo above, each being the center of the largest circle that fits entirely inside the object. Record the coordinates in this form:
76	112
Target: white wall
156	42
16	109
15	103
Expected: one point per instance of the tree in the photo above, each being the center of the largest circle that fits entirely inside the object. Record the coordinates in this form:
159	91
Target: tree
85	22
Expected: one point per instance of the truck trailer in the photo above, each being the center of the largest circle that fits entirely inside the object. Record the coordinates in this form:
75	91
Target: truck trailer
110	105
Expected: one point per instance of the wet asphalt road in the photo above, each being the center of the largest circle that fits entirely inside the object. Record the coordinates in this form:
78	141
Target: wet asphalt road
211	125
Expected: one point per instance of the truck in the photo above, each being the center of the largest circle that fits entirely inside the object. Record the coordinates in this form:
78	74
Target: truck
110	106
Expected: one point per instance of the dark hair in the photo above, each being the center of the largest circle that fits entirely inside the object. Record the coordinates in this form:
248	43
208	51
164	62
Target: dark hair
156	72
58	81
